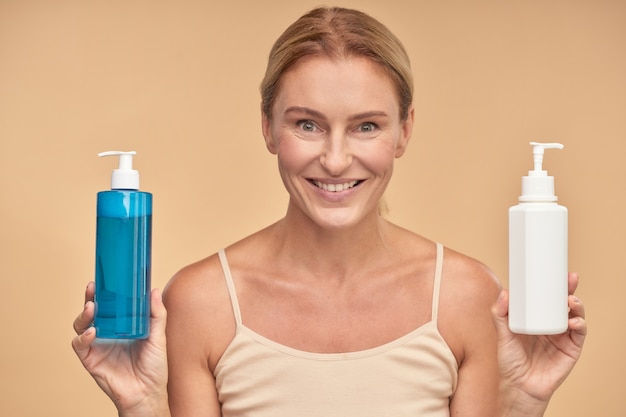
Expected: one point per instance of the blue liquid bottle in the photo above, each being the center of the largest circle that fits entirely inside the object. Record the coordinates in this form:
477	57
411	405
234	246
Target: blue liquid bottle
123	255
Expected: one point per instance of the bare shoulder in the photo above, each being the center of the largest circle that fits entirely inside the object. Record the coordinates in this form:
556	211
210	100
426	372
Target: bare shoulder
199	310
192	283
201	323
468	291
467	277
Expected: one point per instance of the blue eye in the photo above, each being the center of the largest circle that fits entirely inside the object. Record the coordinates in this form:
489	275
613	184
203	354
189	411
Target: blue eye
368	127
306	125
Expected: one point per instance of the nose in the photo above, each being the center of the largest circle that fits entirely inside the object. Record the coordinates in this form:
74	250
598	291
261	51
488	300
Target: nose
336	156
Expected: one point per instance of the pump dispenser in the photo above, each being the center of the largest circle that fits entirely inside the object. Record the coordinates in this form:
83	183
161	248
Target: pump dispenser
125	177
123	255
538	254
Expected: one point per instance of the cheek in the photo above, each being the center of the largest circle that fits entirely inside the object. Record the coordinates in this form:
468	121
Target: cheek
294	154
376	157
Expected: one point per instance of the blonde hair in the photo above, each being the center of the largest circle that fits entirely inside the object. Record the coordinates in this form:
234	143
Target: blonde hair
338	33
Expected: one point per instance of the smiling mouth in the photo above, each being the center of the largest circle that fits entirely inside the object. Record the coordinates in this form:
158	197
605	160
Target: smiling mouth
335	188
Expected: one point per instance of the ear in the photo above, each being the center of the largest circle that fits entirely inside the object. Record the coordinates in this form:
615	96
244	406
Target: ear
407	130
267	131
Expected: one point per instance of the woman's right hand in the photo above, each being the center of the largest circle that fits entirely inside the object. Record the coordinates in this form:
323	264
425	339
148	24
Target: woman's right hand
132	373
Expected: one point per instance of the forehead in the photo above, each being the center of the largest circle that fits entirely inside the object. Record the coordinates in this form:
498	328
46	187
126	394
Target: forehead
322	81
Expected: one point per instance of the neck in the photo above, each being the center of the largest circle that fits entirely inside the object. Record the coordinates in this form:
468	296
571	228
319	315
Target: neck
332	251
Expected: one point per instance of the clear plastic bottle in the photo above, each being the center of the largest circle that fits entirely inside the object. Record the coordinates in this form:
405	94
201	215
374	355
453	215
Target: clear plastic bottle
538	234
123	255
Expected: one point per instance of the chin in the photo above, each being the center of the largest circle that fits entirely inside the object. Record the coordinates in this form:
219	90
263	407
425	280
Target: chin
334	219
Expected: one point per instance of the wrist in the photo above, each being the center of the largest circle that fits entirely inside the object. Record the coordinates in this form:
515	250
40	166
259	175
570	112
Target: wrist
149	407
514	402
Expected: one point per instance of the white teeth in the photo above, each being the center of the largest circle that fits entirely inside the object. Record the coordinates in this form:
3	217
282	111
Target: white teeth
335	188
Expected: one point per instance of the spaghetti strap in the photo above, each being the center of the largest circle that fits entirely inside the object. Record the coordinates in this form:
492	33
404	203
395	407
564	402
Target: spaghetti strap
437	282
231	287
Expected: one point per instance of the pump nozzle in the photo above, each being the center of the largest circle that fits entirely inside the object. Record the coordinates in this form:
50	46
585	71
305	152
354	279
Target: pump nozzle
538	150
538	186
125	177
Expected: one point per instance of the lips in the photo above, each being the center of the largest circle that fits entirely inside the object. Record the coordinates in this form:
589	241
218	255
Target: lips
335	188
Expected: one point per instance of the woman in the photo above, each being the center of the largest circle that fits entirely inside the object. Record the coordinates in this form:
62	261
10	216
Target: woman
333	310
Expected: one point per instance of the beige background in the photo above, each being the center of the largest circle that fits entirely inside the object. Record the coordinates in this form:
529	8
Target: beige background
178	82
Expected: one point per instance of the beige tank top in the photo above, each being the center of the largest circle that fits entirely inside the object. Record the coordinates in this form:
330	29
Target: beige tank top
414	375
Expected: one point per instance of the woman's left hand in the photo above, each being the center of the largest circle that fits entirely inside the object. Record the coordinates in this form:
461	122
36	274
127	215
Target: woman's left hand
533	367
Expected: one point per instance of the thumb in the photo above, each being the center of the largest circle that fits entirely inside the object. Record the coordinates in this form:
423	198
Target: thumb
158	314
82	343
500	314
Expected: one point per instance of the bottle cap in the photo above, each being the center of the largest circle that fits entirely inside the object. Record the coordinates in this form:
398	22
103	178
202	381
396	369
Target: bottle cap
125	177
538	186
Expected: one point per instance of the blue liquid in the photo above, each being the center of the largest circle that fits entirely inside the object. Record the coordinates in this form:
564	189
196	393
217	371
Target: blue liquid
123	263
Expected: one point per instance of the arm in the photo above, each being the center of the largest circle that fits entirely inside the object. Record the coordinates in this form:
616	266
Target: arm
533	367
194	299
473	293
133	374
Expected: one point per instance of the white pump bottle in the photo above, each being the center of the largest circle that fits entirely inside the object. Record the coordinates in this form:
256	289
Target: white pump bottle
538	254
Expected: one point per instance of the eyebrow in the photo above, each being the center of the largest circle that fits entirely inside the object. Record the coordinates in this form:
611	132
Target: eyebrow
315	113
305	110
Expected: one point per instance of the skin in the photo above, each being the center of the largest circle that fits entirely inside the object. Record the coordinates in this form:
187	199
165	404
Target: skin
304	283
